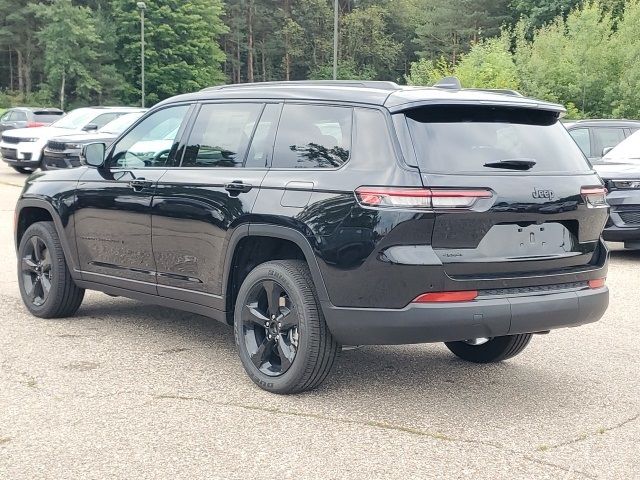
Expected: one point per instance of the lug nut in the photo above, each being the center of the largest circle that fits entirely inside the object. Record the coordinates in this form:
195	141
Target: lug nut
279	325
270	336
266	324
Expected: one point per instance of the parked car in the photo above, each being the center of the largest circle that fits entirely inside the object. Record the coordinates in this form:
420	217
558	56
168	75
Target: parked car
596	137
28	117
620	170
467	217
22	148
64	151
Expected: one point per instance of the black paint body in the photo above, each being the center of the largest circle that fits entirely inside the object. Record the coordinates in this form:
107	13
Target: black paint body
174	241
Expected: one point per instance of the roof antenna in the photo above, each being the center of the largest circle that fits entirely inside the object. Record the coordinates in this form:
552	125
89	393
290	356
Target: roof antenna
450	83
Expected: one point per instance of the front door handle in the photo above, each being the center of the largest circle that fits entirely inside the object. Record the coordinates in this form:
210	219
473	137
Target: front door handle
237	187
139	183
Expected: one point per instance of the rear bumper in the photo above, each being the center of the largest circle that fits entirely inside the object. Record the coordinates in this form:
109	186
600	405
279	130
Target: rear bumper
487	317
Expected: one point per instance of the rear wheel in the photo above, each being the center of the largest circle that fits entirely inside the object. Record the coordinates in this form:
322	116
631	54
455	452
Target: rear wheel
23	170
489	350
283	341
46	286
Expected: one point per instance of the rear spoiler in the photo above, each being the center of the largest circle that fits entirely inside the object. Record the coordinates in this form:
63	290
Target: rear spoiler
508	102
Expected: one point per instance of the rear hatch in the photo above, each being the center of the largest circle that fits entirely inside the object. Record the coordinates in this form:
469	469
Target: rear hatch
539	210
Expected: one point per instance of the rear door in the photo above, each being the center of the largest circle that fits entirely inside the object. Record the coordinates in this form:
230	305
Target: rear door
199	204
525	208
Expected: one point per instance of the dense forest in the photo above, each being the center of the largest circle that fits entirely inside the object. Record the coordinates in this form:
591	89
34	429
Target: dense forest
68	53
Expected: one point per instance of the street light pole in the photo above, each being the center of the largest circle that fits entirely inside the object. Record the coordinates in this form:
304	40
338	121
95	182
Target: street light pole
335	39
142	7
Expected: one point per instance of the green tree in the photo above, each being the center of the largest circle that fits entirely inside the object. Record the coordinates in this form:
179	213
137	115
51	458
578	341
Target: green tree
182	50
625	45
449	27
70	44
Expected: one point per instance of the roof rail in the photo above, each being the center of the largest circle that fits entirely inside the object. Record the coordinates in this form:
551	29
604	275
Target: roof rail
503	91
380	85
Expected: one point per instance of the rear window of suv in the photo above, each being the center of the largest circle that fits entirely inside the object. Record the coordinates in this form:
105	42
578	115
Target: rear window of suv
470	139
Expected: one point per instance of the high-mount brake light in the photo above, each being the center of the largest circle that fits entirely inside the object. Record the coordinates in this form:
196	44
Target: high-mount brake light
595	197
440	297
420	198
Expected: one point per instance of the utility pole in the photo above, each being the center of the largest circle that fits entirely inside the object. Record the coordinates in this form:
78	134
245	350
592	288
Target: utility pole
336	8
142	7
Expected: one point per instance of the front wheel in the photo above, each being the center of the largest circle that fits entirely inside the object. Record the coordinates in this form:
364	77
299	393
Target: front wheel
46	286
490	350
283	341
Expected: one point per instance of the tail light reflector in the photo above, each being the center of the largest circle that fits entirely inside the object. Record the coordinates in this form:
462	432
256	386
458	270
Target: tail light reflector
597	283
595	197
461	296
421	198
35	124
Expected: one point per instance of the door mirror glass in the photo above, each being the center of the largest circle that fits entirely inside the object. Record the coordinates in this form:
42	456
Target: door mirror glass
606	150
90	127
93	154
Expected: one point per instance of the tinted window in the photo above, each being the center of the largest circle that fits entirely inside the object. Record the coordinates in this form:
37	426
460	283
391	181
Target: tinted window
18	116
313	136
152	142
221	134
48	117
5	117
262	143
453	139
583	139
101	120
606	137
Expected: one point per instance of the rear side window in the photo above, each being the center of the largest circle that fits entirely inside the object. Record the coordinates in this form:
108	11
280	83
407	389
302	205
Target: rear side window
313	136
47	117
583	139
18	116
221	134
470	139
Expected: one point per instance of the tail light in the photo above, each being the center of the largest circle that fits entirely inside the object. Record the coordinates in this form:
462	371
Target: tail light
420	198
35	124
440	297
597	283
595	197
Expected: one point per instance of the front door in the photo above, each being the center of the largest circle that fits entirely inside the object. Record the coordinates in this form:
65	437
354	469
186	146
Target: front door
199	204
113	204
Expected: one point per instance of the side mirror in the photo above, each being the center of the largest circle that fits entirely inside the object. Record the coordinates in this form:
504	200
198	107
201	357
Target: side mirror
90	127
606	150
93	154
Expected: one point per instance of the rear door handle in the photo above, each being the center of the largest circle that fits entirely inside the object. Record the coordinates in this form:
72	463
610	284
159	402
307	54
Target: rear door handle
238	186
140	183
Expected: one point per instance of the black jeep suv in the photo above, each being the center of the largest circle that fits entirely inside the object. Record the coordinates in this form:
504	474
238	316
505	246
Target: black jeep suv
314	214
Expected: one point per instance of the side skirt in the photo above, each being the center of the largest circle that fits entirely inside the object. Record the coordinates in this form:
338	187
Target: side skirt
155	299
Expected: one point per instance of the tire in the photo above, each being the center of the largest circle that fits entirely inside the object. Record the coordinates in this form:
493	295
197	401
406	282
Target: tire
63	297
496	349
23	170
299	329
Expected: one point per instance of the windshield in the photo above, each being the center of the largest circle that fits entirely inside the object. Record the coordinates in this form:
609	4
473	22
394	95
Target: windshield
76	119
120	124
628	149
460	139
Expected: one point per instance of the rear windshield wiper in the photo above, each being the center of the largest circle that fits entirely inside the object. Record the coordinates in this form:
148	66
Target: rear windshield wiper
512	164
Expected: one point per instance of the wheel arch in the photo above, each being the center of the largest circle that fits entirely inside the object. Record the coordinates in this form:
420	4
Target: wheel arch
266	234
32	210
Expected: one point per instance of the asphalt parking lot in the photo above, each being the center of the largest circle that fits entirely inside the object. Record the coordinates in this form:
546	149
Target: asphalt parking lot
128	390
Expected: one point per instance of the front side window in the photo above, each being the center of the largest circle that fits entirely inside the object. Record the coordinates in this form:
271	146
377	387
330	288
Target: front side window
151	143
607	138
220	135
313	136
101	120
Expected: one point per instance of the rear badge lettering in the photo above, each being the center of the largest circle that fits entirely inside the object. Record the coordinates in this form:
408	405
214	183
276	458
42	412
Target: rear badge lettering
539	193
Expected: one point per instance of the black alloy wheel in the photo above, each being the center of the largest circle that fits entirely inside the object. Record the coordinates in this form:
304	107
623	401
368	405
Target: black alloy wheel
36	271
270	328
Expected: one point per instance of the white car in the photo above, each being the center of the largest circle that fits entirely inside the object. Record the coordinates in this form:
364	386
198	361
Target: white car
22	148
